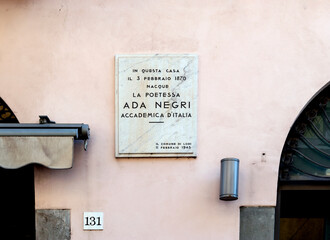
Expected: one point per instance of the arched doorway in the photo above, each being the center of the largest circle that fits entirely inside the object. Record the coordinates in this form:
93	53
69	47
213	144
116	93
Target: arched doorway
17	194
303	199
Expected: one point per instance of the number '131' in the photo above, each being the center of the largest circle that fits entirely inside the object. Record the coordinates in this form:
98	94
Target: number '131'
93	221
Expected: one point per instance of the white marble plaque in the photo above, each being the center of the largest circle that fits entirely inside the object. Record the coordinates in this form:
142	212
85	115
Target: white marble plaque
156	105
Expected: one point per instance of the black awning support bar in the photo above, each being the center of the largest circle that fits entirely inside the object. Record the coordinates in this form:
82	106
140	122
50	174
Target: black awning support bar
46	128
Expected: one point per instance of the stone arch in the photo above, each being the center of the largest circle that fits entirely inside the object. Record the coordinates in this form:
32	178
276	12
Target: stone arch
304	173
306	151
6	114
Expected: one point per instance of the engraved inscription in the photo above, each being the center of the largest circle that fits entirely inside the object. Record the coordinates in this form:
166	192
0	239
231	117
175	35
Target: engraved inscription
156	105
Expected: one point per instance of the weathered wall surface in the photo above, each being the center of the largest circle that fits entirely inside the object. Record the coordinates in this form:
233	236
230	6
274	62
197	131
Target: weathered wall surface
259	63
257	223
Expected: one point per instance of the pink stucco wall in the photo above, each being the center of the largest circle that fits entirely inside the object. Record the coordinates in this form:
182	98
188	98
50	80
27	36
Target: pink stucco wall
259	63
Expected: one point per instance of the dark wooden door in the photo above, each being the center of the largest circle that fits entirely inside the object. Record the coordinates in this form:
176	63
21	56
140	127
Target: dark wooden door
17	219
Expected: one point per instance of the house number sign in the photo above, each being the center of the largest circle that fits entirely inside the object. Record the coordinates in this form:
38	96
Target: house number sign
93	220
156	105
